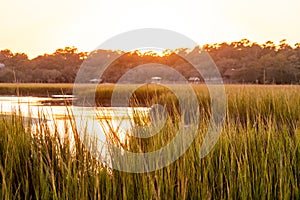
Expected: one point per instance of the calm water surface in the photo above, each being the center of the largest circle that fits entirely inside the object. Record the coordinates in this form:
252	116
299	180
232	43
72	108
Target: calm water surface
93	121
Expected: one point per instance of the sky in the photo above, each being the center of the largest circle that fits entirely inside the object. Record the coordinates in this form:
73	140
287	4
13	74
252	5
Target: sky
36	27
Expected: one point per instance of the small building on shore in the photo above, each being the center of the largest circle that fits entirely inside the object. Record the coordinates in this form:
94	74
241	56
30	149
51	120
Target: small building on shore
156	80
194	80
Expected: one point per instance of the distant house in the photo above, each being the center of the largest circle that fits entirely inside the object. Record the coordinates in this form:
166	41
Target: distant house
194	80
95	80
156	80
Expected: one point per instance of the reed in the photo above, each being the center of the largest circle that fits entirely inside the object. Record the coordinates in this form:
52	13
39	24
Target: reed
256	157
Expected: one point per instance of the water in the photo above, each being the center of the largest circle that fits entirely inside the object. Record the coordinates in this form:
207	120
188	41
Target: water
98	122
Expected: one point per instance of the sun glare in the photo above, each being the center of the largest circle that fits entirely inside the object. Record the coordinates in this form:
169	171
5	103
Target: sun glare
154	52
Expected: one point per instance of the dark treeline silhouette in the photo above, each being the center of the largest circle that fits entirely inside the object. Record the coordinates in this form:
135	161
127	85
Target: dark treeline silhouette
238	62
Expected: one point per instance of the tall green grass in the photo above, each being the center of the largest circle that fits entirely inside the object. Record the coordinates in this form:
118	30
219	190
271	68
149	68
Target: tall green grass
256	157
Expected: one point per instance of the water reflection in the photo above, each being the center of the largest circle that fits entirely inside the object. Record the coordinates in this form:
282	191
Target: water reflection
99	122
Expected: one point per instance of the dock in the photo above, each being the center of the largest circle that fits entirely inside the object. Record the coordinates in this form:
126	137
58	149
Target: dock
59	100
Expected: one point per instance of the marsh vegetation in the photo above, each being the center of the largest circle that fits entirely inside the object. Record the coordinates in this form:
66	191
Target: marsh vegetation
256	157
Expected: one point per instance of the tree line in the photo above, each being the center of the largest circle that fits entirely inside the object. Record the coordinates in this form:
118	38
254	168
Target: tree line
238	62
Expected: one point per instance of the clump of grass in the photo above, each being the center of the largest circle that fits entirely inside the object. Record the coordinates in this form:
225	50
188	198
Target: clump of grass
42	166
35	89
256	157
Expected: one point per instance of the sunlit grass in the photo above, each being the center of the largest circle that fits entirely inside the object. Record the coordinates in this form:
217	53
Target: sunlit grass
35	89
256	157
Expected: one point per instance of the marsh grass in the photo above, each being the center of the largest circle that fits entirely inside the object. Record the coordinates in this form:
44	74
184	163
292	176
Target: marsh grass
256	157
35	89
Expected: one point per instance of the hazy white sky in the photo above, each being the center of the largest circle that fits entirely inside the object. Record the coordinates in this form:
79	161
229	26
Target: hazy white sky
36	27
